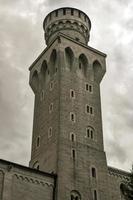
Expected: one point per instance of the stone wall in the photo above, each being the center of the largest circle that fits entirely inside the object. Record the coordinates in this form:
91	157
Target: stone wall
23	183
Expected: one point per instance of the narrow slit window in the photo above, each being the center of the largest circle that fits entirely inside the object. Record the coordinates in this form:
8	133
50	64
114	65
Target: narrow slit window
51	85
38	141
72	94
87	86
51	108
72	137
88	109
92	136
90	88
50	132
79	14
93	170
73	154
91	110
72	117
95	195
88	132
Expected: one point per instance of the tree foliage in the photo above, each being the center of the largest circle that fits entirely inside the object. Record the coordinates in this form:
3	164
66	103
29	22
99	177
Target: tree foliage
127	188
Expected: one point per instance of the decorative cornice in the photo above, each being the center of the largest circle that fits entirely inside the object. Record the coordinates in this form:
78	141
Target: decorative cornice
32	180
118	173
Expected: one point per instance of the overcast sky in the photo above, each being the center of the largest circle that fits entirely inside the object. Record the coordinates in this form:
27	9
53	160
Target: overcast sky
21	36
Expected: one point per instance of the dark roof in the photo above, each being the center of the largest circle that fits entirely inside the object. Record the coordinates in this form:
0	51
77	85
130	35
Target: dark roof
8	163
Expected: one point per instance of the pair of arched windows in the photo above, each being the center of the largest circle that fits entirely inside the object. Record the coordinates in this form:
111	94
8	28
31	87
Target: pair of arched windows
75	195
90	132
82	60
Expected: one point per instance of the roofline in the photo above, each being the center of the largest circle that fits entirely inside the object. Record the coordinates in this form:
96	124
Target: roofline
68	8
28	168
123	172
69	38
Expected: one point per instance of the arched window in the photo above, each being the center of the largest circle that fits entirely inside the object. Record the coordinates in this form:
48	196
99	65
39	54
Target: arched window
75	195
44	72
72	94
72	137
69	57
53	62
90	132
36	165
97	68
35	81
89	109
83	65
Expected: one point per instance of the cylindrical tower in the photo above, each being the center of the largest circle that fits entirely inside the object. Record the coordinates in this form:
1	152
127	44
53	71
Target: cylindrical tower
69	21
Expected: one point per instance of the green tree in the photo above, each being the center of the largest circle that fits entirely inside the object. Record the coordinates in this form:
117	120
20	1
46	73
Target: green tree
127	188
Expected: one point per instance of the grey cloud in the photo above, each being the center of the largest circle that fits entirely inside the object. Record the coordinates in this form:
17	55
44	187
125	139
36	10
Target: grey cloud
21	36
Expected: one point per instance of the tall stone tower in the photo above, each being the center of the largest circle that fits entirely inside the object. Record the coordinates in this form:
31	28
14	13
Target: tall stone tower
67	130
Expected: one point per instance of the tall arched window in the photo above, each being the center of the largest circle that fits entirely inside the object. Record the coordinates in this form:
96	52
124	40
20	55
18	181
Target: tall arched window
69	56
83	65
35	81
97	70
44	72
53	62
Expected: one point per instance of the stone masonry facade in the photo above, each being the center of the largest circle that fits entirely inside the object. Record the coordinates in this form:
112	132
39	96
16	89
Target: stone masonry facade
68	160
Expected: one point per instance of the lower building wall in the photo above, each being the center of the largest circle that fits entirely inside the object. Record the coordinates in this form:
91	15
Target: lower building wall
22	183
115	178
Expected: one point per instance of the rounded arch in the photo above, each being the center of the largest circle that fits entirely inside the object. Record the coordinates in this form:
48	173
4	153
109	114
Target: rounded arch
68	23
97	68
44	72
69	55
75	195
35	81
90	132
36	165
83	64
60	24
72	137
75	24
53	62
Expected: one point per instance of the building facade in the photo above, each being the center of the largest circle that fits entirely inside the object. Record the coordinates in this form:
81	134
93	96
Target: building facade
68	160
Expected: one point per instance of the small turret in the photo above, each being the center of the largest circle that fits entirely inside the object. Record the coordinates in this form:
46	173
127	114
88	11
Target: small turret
70	21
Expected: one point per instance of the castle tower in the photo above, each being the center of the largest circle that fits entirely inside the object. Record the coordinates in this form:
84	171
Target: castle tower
67	130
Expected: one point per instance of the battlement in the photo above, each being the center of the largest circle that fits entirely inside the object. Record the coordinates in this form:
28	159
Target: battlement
70	21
